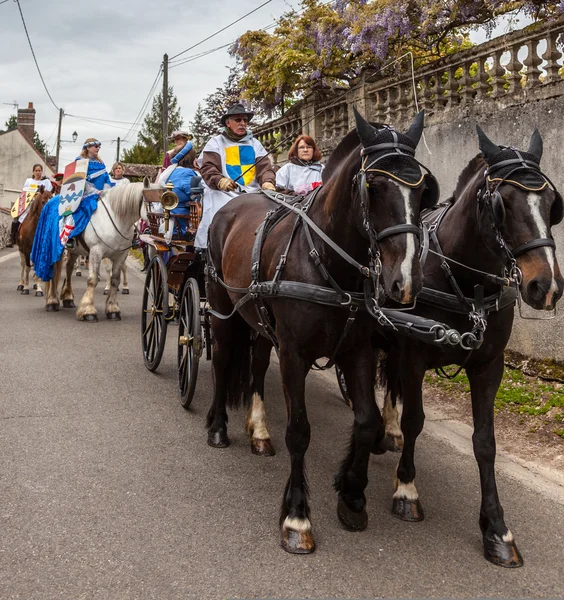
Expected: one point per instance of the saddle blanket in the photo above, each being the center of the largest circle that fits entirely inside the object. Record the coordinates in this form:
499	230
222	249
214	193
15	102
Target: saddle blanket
24	201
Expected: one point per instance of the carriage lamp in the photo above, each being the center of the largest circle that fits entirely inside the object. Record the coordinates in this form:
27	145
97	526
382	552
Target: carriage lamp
169	200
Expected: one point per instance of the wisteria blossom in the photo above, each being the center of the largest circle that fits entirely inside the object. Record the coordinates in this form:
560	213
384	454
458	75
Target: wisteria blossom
325	46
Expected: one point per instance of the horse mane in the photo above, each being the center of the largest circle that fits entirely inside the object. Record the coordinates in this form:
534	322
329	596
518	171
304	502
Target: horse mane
39	201
337	158
469	171
124	199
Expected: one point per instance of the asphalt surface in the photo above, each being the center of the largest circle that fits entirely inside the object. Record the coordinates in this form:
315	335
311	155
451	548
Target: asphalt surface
108	489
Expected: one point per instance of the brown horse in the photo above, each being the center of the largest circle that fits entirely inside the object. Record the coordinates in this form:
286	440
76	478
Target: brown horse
26	232
369	214
494	230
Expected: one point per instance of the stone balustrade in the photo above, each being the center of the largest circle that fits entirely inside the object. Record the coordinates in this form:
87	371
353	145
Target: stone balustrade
507	70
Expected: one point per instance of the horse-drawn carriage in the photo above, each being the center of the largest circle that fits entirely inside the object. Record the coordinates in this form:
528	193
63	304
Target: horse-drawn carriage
174	291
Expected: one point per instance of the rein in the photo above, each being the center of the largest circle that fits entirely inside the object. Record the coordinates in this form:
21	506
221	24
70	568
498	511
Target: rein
135	230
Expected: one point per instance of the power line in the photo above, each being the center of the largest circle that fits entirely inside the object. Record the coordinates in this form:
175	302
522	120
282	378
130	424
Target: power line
99	119
99	122
33	54
202	54
220	30
144	105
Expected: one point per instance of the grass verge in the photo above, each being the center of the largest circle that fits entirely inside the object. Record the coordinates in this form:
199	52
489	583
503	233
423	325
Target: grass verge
539	403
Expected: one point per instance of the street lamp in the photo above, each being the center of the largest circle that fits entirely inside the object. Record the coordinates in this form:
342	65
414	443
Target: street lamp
74	136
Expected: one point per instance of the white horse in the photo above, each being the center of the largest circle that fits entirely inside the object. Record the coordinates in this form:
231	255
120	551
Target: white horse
125	285
108	235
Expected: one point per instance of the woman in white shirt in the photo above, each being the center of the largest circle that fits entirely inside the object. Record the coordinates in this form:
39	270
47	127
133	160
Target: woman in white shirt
116	174
303	171
31	184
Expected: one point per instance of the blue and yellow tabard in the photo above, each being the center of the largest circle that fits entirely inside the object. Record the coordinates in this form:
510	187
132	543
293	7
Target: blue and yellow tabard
240	164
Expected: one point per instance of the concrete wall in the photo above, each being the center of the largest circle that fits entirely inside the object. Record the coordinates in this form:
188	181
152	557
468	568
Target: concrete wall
17	158
451	137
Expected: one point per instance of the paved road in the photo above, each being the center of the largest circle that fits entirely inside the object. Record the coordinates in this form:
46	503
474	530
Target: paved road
108	489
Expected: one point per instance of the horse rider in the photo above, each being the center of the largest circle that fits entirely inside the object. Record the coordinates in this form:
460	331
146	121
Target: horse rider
50	239
34	181
97	178
232	161
116	174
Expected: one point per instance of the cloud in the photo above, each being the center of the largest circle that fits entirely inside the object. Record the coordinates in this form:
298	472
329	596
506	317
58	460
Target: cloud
100	58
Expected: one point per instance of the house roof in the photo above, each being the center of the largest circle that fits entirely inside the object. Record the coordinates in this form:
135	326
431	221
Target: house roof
138	170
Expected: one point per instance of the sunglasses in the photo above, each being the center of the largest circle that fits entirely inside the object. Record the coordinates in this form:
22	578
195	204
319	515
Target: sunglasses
240	119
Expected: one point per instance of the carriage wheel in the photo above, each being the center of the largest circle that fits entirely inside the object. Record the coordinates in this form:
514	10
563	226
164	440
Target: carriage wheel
189	341
155	311
343	386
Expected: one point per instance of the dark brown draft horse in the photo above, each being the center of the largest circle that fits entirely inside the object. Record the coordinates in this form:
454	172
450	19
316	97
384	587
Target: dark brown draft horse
370	225
494	231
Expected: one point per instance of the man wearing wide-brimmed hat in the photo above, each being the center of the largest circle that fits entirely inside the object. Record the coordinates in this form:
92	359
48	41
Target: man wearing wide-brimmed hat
231	162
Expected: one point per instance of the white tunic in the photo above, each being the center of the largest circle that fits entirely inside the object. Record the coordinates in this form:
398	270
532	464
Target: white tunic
299	178
237	163
121	181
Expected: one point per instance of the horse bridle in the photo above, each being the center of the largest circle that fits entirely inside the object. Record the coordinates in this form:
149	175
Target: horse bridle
492	197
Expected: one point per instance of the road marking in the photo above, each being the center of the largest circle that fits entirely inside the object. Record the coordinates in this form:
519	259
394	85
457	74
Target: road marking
8	256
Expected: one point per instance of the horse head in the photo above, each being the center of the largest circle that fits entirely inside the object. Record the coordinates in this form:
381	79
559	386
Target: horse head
522	205
392	191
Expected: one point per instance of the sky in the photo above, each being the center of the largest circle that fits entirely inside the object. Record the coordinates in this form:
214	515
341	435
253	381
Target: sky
99	60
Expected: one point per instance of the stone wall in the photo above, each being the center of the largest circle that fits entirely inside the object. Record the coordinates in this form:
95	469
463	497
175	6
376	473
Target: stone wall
508	86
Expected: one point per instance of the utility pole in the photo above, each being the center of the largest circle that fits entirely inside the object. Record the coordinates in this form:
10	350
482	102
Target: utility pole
61	112
118	142
165	103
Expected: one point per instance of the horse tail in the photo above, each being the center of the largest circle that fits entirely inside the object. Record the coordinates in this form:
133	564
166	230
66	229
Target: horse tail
388	375
239	370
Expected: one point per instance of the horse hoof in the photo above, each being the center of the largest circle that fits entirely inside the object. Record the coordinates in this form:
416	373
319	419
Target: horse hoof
394	443
218	439
90	318
297	542
408	510
114	316
25	292
39	293
262	448
52	307
78	274
106	292
502	554
69	304
379	446
19	288
125	291
351	520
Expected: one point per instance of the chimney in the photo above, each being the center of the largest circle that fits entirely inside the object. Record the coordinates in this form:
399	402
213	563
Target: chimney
26	121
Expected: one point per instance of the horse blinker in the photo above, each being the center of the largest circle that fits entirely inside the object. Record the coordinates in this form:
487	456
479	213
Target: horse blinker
557	209
497	208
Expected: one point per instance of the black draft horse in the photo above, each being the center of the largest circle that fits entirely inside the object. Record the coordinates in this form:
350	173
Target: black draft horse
497	226
306	331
